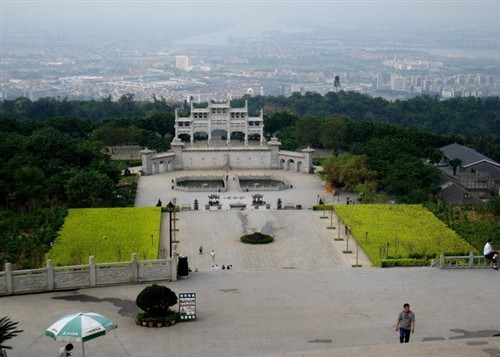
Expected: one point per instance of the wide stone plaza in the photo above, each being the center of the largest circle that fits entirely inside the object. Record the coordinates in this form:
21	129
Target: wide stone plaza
299	296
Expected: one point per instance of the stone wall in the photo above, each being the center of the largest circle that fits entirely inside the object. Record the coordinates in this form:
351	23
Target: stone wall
220	158
263	157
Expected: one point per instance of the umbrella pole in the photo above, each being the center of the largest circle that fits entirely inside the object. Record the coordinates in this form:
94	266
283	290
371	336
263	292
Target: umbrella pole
83	349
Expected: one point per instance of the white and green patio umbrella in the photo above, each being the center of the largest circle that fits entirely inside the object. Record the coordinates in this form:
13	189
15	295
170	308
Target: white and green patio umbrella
80	327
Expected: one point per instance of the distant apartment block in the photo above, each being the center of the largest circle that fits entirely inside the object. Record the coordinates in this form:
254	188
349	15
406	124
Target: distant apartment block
398	82
182	63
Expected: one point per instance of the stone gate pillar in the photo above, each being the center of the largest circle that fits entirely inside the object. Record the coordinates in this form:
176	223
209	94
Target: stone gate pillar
308	161
274	144
177	145
147	164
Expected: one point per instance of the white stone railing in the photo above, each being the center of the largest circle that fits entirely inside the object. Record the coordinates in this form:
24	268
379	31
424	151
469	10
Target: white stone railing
13	282
462	261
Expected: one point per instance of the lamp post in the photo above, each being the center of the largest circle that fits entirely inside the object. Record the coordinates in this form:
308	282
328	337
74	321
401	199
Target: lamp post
170	208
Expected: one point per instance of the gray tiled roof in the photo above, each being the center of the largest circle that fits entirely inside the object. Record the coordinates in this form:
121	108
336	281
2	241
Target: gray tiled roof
466	155
455	194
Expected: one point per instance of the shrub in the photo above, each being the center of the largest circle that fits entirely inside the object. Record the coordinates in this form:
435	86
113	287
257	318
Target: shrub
388	263
176	209
322	207
120	203
156	300
256	238
120	193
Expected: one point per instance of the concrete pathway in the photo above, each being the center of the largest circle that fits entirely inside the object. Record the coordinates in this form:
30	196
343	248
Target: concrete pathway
330	311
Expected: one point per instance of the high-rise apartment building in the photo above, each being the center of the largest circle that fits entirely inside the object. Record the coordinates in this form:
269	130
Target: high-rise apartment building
182	63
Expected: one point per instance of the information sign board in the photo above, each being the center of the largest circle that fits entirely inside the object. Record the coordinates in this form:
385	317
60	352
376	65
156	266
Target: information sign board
187	306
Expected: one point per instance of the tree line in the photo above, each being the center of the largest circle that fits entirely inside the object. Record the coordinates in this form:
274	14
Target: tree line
475	120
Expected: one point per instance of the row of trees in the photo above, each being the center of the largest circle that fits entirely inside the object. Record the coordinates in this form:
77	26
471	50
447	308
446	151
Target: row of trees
476	120
94	110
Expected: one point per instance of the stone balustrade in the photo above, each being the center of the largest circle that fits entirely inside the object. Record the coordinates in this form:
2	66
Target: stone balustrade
13	282
463	261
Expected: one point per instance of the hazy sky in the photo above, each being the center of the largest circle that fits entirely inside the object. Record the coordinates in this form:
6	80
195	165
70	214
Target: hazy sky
248	16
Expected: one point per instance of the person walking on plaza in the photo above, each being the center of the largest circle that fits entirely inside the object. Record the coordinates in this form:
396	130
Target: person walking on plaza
212	253
405	324
490	253
200	250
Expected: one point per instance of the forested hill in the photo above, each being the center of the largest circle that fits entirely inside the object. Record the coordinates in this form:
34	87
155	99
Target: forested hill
469	117
459	116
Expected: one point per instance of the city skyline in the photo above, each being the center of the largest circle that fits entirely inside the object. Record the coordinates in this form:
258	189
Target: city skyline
94	49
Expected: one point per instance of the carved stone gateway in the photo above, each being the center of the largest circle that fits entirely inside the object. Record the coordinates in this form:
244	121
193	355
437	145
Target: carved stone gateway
229	139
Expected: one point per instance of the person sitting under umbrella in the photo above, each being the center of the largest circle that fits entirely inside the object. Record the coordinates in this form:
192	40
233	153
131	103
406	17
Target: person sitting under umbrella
79	327
66	350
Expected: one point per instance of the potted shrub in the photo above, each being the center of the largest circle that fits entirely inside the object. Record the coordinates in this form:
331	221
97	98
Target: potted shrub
156	301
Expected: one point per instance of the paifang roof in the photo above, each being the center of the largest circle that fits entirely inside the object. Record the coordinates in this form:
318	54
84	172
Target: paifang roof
467	155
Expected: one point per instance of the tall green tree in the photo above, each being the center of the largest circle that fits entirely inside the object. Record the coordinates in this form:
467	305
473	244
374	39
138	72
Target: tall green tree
89	188
348	171
333	132
411	180
455	163
308	130
160	123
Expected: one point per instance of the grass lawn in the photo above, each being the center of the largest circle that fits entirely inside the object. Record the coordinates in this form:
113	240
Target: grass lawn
108	234
400	231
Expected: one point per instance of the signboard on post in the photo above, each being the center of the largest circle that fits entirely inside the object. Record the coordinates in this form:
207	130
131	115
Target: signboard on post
187	306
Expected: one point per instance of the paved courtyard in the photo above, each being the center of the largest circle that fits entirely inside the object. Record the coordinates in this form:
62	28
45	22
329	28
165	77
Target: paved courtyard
304	239
299	296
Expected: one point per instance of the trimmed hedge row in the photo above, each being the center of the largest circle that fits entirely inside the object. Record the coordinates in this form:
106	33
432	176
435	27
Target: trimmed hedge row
389	263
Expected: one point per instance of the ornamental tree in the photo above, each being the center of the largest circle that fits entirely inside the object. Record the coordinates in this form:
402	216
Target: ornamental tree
156	300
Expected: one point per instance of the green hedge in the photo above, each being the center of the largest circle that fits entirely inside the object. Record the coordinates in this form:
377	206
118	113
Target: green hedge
256	238
388	263
323	208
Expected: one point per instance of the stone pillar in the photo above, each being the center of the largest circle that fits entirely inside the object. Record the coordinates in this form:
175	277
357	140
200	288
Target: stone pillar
177	147
274	144
308	161
173	263
175	123
50	275
134	270
9	283
147	164
262	127
92	271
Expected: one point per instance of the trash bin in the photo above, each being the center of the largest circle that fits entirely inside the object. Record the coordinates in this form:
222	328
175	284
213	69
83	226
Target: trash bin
182	266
